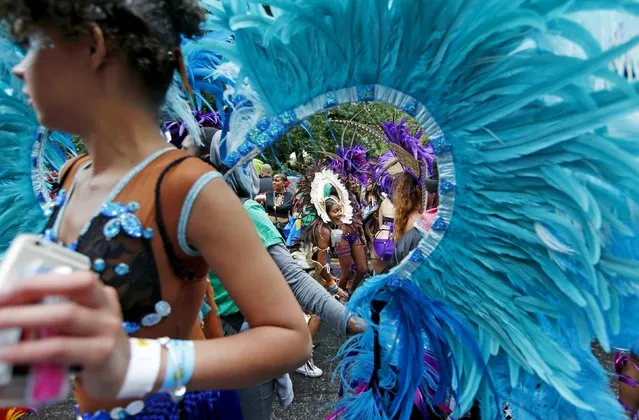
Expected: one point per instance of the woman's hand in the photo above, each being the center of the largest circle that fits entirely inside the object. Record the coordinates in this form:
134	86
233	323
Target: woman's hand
343	296
86	328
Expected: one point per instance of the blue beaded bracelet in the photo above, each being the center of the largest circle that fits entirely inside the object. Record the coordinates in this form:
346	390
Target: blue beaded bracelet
180	363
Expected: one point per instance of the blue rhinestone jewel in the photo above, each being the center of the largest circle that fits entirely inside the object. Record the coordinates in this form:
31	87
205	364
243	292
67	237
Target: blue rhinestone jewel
446	186
131	225
440	225
131	327
163	308
121	269
133	206
99	265
112	229
151	320
113	209
121	220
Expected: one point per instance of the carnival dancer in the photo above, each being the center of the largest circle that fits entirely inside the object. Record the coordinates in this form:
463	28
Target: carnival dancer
141	212
408	201
351	165
324	206
385	169
410	169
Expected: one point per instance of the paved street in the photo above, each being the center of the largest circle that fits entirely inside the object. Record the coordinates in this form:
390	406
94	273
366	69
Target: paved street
313	397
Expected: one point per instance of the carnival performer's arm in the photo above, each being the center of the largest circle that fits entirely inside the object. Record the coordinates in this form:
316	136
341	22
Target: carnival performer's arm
323	248
311	296
278	340
89	321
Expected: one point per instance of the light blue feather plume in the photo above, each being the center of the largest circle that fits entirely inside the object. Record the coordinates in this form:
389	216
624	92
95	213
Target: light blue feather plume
528	396
201	61
417	325
217	87
536	159
622	265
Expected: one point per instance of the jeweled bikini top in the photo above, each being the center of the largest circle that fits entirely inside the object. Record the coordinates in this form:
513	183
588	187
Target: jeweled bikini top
133	240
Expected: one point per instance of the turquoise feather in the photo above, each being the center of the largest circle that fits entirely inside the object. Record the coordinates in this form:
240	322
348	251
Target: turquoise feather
544	173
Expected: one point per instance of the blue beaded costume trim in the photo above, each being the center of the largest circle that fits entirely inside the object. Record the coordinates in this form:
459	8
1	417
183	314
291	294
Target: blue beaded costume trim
205	405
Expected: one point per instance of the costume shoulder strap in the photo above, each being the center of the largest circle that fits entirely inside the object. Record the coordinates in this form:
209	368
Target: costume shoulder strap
71	168
177	188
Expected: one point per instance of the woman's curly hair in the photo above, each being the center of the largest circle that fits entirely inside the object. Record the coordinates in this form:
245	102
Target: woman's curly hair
407	196
146	32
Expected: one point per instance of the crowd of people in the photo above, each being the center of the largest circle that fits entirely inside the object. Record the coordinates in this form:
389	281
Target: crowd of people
326	234
209	280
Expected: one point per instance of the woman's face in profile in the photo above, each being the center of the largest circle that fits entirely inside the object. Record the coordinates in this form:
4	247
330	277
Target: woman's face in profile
61	80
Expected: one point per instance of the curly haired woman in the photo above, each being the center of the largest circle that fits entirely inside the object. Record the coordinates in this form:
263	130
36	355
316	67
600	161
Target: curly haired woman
141	212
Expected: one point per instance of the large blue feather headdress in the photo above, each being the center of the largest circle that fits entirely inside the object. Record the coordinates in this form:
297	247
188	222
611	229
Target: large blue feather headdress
532	173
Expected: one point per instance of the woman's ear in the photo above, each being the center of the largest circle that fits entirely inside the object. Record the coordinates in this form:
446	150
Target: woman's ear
98	47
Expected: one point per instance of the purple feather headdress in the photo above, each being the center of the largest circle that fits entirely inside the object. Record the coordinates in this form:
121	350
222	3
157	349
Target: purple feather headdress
406	150
178	130
400	135
381	174
352	162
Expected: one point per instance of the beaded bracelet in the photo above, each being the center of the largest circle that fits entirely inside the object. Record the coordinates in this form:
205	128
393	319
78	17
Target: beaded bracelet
180	364
332	287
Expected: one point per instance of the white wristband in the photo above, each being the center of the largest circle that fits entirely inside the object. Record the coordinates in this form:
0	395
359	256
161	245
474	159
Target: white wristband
143	370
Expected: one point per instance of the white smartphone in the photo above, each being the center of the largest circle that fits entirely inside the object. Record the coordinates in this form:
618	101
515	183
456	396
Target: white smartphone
30	255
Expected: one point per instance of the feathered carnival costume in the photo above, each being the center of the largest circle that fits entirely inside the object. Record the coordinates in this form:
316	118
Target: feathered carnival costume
537	169
406	154
352	162
532	254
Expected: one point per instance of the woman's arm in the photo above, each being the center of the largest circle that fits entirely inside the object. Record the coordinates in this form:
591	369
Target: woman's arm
311	296
278	340
89	322
324	245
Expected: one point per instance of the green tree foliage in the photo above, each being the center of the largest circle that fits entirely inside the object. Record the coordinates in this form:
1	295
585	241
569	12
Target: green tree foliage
323	133
79	144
